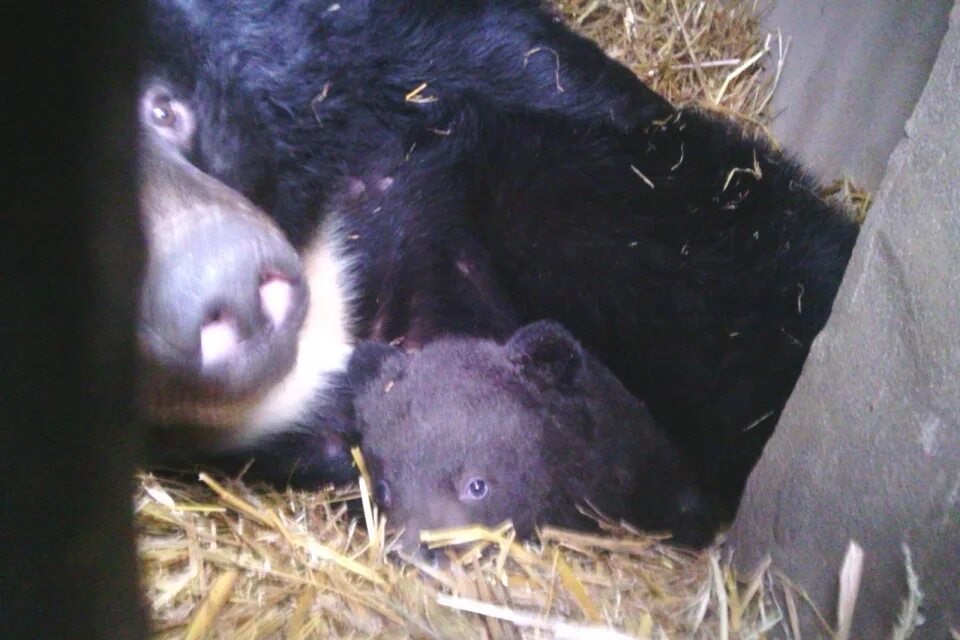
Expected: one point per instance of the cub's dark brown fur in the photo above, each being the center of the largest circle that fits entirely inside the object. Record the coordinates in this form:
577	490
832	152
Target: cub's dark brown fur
469	431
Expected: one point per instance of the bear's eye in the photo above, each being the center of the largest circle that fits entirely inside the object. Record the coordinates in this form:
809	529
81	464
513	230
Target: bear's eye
162	113
169	118
474	489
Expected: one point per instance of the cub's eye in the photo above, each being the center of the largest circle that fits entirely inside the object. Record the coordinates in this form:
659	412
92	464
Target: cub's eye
474	489
381	493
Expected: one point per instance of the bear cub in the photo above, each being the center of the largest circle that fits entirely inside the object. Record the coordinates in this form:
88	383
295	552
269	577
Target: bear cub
468	431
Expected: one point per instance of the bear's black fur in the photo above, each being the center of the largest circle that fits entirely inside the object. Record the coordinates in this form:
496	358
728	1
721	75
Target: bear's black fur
481	167
467	431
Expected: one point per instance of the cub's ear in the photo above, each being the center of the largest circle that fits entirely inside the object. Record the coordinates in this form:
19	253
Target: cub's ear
367	361
546	354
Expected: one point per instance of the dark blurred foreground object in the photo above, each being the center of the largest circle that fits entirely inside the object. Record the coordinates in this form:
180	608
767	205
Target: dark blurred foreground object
70	259
869	444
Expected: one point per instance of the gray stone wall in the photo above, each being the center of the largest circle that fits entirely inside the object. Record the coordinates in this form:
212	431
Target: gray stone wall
868	447
851	78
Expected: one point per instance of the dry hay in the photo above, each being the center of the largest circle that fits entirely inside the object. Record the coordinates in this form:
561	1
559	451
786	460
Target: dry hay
709	53
223	560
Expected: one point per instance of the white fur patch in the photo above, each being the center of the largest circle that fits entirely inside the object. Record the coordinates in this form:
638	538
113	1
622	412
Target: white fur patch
326	341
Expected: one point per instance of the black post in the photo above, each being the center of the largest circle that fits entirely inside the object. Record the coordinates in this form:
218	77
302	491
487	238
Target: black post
70	255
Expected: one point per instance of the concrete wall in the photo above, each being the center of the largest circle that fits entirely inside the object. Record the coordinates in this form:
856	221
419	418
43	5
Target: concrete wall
868	447
852	76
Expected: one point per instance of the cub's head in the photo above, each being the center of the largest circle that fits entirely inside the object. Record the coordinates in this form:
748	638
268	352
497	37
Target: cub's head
463	432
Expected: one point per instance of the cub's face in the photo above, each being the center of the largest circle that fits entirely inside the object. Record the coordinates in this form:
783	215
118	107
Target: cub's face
452	438
459	433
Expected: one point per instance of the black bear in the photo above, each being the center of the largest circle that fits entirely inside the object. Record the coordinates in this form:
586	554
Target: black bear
465	168
469	431
232	353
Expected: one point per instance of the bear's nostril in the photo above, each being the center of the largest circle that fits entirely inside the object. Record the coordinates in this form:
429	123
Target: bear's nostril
276	299
219	339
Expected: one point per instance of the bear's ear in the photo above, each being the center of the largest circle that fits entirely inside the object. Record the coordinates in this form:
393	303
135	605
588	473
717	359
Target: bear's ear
366	362
546	354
